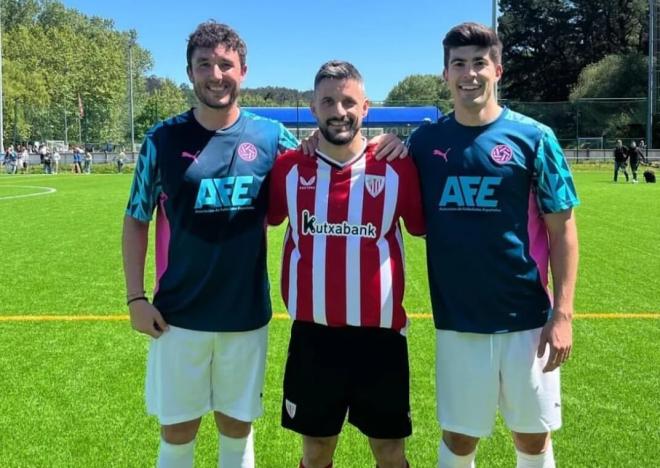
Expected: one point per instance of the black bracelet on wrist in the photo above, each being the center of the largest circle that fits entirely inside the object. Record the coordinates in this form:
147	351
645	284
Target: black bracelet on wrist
139	298
135	294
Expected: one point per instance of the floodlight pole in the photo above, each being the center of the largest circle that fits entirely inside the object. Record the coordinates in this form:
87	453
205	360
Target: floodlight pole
131	43
650	95
494	21
494	17
66	129
2	135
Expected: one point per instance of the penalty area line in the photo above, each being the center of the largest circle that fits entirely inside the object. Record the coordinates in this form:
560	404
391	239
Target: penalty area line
278	316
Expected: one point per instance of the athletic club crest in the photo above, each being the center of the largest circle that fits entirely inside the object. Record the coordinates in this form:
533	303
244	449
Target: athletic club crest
374	184
501	154
290	408
247	152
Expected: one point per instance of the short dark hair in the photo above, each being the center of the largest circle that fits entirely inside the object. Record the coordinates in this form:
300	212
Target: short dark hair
210	34
473	34
337	70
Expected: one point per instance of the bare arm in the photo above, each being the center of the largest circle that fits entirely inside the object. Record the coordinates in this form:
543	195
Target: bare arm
558	332
145	318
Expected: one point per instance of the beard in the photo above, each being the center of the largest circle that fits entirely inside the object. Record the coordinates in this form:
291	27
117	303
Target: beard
339	138
202	97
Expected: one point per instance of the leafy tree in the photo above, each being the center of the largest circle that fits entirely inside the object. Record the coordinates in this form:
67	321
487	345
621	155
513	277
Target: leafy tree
54	55
274	96
189	94
548	42
165	99
623	76
418	90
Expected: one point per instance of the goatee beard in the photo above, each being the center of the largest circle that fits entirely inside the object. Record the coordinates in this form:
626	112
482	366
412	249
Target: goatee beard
336	139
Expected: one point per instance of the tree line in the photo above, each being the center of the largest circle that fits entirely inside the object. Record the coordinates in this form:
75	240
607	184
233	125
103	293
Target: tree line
67	73
579	66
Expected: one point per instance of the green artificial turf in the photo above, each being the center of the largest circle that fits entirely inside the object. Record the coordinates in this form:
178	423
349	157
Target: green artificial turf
72	392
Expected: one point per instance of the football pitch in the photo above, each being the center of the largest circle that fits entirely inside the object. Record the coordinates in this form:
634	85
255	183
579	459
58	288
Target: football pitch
72	369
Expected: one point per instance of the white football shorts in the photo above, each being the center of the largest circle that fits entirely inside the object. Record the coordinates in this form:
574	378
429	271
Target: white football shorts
478	373
190	373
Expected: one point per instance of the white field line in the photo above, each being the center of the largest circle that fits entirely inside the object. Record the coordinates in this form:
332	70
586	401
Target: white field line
43	191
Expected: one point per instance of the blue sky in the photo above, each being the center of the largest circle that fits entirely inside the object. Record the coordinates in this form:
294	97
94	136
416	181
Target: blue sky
288	40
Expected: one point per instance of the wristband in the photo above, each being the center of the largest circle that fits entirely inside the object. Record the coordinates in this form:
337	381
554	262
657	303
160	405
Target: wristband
139	298
135	294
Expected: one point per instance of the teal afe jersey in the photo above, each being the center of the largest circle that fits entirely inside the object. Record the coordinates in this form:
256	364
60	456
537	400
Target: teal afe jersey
209	193
485	190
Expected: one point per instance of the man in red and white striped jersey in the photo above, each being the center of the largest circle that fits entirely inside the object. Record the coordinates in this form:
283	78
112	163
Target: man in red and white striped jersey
343	279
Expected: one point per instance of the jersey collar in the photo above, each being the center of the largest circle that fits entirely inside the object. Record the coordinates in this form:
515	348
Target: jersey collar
341	165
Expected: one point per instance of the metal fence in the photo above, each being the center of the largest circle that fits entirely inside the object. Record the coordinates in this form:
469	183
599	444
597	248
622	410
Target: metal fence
586	124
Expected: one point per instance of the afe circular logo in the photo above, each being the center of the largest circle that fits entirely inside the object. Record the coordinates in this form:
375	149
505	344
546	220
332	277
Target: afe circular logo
501	154
247	152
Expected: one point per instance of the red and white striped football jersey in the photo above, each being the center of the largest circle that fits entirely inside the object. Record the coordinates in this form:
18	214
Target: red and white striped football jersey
343	258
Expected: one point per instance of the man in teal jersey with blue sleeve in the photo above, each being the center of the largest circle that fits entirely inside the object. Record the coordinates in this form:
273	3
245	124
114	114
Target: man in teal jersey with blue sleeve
204	173
498	199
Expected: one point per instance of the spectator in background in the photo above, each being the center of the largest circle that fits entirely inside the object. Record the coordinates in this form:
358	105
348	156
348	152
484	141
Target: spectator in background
19	158
644	150
87	163
77	158
47	161
43	149
10	160
56	161
620	156
635	155
119	160
23	160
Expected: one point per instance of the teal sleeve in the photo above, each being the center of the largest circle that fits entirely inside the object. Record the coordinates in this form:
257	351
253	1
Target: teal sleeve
554	181
146	187
286	140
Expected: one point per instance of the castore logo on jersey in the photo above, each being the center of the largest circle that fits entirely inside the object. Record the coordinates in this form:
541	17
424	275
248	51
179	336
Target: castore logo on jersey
307	184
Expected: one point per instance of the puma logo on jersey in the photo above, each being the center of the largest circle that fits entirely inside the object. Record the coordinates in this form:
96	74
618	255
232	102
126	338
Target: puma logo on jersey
188	155
442	154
